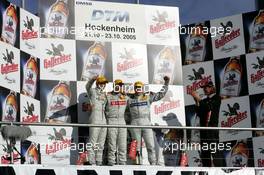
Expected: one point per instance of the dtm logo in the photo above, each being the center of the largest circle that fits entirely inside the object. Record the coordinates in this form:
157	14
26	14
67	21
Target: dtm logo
110	15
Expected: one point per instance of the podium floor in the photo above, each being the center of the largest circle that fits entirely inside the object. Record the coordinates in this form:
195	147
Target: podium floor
122	170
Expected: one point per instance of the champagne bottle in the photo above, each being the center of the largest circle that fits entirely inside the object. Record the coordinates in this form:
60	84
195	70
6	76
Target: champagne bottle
10	108
257	35
56	25
196	48
95	62
239	154
30	77
231	81
59	103
9	26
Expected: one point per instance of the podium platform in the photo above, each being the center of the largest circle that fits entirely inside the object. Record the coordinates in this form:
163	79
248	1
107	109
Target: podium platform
122	170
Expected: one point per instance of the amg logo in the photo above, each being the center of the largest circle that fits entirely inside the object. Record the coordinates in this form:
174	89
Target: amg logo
110	15
83	3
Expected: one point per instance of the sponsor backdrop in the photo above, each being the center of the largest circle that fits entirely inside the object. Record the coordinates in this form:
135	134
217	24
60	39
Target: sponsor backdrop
46	61
233	60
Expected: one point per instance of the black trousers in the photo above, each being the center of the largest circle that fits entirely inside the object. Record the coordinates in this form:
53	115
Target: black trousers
215	155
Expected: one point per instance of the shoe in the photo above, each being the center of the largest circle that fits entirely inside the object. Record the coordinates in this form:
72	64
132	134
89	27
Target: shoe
122	163
99	163
153	163
110	164
88	163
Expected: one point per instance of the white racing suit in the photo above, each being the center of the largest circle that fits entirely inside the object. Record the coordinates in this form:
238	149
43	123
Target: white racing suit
97	135
117	137
139	108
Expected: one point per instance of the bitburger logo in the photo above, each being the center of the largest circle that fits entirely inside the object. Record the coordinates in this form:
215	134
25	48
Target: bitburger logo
28	32
162	22
57	56
228	35
198	79
233	116
259	66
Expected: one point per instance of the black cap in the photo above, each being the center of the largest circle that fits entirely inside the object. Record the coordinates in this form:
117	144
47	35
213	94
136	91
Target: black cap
208	84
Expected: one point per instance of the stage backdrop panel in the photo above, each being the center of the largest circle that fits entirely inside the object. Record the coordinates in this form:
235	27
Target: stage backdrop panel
10	67
230	40
162	25
234	113
110	21
196	45
164	61
194	77
255	72
258	143
57	59
130	62
29	33
10	23
29	109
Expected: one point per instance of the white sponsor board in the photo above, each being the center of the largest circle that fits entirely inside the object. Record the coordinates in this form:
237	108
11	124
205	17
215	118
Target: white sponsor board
230	38
255	72
258	149
170	109
109	21
195	76
162	25
29	109
57	59
10	67
5	156
29	33
234	113
55	143
130	62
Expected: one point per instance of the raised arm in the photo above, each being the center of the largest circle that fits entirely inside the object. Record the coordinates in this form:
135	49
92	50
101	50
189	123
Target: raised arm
90	83
159	95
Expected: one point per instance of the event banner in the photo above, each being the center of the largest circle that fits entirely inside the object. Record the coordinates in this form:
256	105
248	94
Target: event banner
228	53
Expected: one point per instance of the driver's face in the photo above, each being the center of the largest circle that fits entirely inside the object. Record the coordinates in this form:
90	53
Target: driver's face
208	90
138	89
101	86
118	88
